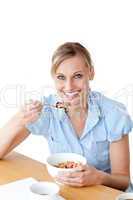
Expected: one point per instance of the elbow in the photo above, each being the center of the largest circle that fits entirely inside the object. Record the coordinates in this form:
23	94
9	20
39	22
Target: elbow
2	155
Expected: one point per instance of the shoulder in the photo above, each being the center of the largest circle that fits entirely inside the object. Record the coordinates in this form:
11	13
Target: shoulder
107	105
117	120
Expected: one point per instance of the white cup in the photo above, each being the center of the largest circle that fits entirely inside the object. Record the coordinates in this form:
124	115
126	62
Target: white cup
125	196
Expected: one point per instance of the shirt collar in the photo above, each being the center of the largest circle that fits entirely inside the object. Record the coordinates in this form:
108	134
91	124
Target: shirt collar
94	113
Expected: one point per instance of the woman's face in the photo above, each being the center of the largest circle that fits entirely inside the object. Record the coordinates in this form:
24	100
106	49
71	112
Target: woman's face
71	80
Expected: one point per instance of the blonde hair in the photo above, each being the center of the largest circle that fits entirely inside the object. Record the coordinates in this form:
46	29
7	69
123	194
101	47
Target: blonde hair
68	50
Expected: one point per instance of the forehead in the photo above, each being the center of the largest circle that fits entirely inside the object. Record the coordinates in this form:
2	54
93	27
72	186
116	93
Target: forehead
73	64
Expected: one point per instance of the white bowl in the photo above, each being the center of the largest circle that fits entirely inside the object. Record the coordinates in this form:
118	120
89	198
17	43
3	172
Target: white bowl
125	196
57	158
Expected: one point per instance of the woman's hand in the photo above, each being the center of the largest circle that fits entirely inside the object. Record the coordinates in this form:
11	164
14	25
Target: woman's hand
30	112
87	176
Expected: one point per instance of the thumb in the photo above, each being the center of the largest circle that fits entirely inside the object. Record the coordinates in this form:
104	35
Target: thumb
83	167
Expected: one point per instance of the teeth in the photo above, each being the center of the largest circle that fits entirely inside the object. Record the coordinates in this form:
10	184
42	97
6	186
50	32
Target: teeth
71	93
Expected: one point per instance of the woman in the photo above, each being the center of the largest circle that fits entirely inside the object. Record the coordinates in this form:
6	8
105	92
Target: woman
91	124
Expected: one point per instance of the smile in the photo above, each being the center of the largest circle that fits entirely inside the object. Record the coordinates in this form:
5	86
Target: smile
71	95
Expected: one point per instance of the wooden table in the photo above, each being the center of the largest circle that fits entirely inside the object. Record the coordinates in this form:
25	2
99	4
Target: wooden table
16	166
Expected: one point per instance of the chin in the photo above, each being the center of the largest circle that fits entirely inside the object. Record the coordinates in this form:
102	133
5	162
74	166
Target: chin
73	103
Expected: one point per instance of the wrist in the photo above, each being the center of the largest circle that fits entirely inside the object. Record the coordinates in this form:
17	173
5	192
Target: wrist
101	177
18	122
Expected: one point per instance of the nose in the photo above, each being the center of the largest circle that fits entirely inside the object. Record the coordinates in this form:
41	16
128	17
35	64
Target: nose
68	85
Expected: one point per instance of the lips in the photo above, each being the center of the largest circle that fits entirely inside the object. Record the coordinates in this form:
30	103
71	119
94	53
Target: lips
71	95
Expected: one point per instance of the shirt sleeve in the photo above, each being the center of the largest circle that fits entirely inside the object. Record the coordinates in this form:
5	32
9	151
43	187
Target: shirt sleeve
41	126
118	123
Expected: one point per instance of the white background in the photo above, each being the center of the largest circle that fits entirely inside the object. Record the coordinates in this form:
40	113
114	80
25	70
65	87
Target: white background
31	30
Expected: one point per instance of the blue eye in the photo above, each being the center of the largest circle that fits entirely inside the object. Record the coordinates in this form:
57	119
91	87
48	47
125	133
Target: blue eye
78	76
61	77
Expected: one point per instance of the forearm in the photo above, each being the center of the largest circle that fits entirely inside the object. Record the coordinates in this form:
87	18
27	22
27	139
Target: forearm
15	130
117	181
8	134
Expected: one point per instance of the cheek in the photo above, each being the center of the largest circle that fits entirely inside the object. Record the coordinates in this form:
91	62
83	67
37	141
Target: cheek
84	84
58	85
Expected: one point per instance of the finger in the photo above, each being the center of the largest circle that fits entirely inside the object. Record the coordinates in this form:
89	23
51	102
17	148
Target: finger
32	106
70	181
39	107
73	184
37	103
31	113
84	167
33	102
35	108
31	118
70	175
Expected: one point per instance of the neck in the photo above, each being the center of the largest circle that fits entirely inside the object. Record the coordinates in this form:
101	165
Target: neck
77	111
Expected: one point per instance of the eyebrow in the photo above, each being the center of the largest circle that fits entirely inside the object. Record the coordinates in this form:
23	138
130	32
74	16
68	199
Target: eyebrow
73	73
78	72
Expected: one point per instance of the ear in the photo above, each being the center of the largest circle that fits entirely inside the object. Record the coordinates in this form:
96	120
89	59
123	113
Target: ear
92	73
